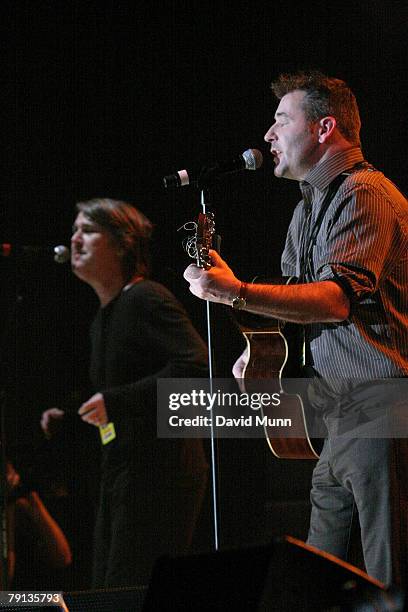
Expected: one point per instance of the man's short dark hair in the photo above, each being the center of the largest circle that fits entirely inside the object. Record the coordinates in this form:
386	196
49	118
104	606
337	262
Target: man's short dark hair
324	96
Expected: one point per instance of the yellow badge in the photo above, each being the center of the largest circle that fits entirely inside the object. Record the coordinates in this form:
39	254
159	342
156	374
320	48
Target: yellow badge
107	433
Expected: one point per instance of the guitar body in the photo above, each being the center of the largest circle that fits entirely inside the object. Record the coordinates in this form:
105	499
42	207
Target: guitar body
275	351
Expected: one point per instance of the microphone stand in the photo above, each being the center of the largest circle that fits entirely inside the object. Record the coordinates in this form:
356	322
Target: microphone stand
213	439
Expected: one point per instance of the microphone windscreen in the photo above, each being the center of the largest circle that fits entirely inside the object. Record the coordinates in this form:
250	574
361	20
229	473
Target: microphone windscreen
253	159
62	254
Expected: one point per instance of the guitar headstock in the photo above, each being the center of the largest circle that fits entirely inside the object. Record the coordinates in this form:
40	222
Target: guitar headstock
204	239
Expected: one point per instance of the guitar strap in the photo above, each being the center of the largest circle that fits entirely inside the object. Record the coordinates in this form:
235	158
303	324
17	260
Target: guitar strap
309	235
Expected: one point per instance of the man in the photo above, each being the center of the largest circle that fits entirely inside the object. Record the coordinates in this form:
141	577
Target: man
348	245
151	490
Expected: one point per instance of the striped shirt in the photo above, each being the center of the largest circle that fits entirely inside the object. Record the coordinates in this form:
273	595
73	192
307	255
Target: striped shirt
362	244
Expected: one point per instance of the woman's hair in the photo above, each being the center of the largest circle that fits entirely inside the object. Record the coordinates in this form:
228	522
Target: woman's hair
129	228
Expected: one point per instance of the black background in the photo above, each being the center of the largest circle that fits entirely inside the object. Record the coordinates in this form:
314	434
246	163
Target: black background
105	98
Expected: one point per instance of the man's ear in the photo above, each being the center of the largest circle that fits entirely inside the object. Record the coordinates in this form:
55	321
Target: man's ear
327	125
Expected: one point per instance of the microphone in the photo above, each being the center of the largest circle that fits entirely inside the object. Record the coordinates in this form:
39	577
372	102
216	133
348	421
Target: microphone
61	253
251	159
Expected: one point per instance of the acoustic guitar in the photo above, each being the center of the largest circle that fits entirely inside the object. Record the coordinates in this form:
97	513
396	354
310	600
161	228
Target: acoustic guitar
274	359
275	351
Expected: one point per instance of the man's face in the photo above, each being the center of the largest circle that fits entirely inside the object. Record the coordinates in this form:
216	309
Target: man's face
94	254
294	140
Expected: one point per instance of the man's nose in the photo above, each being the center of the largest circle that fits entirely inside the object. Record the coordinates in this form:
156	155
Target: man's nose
270	135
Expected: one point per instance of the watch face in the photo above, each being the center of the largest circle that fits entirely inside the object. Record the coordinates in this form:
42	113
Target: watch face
238	303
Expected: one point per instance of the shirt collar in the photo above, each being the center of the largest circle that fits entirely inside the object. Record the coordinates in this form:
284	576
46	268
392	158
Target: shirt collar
325	171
